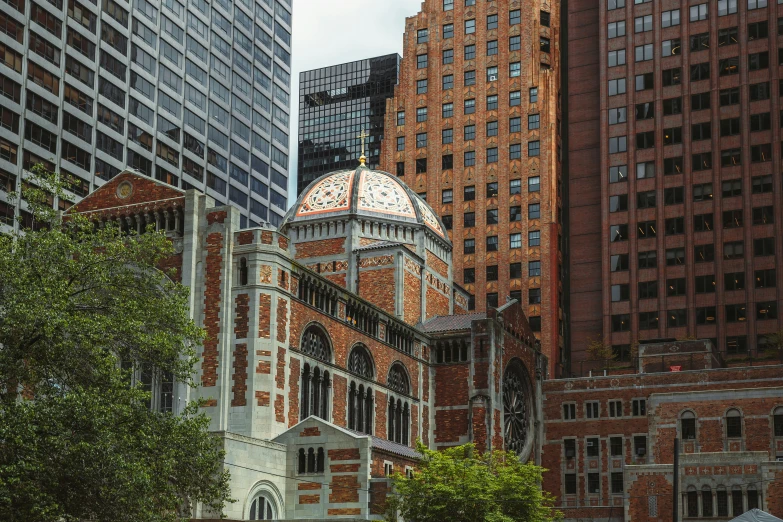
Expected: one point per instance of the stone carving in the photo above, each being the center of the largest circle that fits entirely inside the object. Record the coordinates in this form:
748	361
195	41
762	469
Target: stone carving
368	262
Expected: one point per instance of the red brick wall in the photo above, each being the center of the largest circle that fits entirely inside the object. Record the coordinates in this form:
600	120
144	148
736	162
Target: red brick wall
212	284
451	385
282	319
324	247
378	287
245	238
241	309
338	279
450	425
479	428
239	387
172	266
280	370
264	316
411	298
437	264
280	408
339	389
293	396
774	502
645	486
437	303
378	458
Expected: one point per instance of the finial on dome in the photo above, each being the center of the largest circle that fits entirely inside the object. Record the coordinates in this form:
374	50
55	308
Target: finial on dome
362	158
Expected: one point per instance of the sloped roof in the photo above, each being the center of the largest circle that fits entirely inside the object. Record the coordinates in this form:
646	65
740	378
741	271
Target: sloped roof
756	515
129	189
445	323
391	447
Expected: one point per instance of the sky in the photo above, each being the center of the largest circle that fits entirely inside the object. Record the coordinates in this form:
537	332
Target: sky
331	32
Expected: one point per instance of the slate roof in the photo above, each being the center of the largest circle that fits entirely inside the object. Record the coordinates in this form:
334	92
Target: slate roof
390	447
445	323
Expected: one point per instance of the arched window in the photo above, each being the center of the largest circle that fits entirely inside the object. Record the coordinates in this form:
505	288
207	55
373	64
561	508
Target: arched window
315	393
692	502
360	408
315	344
398	379
399	409
706	501
315	381
688	425
360	362
360	396
243	271
733	424
262	508
777	421
310	461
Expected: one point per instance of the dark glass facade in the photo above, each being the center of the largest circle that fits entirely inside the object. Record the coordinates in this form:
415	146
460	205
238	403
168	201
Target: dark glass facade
335	104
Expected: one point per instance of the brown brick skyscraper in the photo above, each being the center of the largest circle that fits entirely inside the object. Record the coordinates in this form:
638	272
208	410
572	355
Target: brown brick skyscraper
473	127
674	127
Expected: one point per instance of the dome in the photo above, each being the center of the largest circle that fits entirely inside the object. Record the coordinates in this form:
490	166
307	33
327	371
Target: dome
363	192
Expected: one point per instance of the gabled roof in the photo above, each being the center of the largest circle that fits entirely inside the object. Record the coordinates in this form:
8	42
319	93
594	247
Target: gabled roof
447	323
129	188
756	515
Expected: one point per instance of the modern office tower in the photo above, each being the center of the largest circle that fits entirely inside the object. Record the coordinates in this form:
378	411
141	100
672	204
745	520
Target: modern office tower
195	94
684	109
336	105
474	128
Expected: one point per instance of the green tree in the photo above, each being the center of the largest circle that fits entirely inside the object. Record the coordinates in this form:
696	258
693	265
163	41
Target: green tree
460	484
600	350
77	442
773	343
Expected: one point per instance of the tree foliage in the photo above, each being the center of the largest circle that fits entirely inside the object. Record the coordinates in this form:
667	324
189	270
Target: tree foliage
77	442
460	484
600	350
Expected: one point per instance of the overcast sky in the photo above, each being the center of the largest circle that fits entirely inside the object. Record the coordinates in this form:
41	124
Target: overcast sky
329	32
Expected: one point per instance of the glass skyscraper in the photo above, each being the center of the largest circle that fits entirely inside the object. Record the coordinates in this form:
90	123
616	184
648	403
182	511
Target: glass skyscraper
335	104
192	93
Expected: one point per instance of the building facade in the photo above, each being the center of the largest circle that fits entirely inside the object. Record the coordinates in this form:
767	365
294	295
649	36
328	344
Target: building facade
336	105
473	128
335	342
194	94
682	102
609	438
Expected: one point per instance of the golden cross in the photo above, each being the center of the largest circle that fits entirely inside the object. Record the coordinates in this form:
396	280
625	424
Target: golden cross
362	137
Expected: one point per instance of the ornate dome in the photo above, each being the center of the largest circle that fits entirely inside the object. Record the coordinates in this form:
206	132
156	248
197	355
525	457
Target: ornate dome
363	192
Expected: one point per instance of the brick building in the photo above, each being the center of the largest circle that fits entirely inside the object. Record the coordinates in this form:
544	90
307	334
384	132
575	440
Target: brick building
334	342
609	438
674	186
474	129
